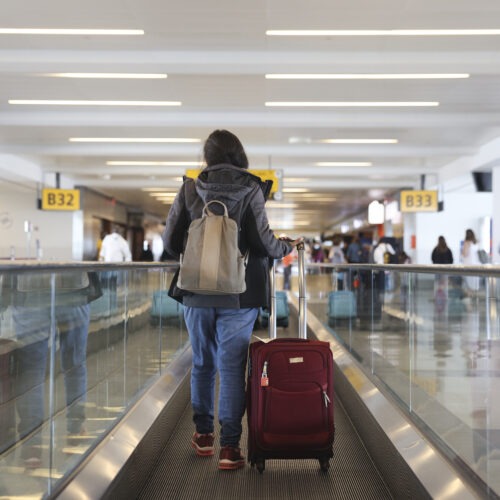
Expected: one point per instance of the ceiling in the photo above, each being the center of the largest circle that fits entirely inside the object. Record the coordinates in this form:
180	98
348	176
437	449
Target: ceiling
216	55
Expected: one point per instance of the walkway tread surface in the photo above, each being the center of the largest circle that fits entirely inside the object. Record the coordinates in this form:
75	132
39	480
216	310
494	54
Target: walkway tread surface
180	474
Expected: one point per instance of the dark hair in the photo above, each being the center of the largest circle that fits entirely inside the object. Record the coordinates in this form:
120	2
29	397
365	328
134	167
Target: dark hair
470	236
442	246
222	146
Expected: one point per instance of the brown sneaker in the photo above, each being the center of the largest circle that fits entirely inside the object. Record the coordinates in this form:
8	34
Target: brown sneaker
203	444
231	458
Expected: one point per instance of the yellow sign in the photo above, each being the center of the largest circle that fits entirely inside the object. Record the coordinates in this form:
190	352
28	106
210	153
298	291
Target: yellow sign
419	201
60	199
265	175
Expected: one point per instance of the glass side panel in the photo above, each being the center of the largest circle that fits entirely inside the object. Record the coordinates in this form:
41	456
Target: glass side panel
77	348
432	341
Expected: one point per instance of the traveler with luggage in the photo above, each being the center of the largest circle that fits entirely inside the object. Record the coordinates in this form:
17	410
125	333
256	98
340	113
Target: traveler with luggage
220	324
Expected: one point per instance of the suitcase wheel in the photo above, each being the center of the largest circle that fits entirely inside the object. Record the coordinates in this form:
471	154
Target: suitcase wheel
261	465
324	463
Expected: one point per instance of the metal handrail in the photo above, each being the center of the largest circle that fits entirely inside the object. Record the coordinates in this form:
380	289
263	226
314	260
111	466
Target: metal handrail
454	269
30	265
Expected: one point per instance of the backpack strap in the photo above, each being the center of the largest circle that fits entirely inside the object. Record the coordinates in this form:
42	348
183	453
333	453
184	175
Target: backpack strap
206	211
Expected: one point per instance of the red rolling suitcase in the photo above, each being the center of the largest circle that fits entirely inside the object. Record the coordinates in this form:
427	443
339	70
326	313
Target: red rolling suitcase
290	394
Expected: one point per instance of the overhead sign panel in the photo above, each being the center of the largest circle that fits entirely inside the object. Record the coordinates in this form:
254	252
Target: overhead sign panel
60	199
419	201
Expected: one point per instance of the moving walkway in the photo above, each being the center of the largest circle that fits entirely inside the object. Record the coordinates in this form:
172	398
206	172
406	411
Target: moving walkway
138	430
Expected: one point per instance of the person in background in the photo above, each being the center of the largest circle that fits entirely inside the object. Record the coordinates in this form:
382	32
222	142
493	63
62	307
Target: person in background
114	248
337	257
469	256
354	252
441	253
404	258
382	255
381	252
317	254
220	326
147	253
287	262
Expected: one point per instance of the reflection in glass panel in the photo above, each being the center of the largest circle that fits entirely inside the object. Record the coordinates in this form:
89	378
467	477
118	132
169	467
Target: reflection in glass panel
432	341
77	348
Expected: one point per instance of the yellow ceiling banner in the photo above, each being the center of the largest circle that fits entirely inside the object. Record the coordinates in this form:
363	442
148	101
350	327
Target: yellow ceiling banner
265	175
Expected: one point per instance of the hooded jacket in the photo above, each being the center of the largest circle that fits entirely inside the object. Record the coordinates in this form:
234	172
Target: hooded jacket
242	193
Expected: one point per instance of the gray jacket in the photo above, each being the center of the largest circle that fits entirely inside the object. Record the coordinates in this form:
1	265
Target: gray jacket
242	193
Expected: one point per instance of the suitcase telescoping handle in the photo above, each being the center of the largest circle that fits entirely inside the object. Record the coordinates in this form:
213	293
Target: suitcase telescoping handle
302	295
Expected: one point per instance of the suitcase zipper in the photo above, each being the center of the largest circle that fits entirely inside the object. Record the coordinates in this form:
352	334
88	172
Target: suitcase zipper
326	399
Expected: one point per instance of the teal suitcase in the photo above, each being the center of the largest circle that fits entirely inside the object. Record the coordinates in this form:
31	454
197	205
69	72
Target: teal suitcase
282	311
165	308
341	305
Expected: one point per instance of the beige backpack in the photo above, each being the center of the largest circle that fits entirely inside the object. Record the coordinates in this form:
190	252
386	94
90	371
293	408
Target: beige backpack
212	263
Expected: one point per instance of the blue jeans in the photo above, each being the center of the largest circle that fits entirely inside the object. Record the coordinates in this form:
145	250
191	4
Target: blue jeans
220	339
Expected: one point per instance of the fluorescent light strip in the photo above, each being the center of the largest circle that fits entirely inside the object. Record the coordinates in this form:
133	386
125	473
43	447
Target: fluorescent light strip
295	190
149	163
398	32
62	102
316	196
271	205
347	104
344	164
364	76
134	139
147	76
67	31
357	141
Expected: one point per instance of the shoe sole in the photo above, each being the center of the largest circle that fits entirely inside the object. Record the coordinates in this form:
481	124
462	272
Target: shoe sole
206	451
230	465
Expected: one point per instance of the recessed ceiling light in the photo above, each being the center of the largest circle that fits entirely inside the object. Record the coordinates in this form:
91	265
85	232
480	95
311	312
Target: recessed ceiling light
134	139
71	102
151	76
357	141
151	163
299	140
344	164
397	32
297	179
347	104
67	31
364	76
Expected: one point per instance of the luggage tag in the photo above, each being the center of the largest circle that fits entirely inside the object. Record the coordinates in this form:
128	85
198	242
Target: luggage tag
264	379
